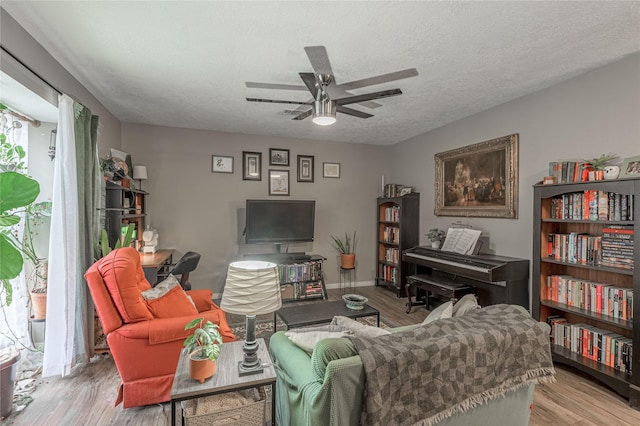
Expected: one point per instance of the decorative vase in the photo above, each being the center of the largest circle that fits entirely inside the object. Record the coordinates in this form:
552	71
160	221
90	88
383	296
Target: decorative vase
8	363
201	369
348	261
37	282
435	244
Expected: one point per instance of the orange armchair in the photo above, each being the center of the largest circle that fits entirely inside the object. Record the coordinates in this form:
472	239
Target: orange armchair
145	340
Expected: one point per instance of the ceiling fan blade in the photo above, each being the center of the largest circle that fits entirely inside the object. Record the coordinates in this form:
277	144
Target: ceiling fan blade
277	101
276	86
303	115
368	96
354	112
384	78
311	82
319	59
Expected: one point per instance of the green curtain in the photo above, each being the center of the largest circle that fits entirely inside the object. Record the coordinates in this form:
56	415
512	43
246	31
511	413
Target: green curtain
86	135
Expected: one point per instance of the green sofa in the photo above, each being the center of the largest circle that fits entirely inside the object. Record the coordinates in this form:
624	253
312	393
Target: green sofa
327	386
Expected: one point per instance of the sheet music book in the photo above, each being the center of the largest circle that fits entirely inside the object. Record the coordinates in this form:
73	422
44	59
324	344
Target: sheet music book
461	240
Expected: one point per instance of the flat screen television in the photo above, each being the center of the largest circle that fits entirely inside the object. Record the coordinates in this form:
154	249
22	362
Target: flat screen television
279	221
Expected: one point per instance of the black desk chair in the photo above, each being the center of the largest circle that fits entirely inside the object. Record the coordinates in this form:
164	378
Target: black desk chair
186	264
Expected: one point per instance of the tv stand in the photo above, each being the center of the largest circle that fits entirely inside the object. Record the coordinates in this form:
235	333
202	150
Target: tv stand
301	276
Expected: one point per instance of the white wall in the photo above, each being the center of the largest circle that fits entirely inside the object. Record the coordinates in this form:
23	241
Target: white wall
582	118
195	209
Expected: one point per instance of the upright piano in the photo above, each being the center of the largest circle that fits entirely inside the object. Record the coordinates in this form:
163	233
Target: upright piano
496	279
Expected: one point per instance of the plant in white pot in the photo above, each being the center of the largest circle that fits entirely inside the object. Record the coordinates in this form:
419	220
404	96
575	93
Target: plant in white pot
436	236
347	248
203	347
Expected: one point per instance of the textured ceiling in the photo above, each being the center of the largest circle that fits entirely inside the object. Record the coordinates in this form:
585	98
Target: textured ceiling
185	64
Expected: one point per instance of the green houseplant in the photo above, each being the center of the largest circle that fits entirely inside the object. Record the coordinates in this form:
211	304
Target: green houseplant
346	247
203	346
105	248
436	236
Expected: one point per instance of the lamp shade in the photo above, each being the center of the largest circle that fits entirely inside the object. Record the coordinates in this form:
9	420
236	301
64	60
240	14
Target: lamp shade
140	172
252	287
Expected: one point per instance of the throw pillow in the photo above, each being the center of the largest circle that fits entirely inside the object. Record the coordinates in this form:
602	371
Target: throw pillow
359	329
466	304
306	340
174	303
443	311
161	288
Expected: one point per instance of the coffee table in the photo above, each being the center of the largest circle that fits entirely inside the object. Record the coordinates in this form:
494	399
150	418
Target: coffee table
226	378
320	313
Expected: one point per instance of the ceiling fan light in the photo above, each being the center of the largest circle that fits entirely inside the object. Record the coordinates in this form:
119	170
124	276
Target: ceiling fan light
324	119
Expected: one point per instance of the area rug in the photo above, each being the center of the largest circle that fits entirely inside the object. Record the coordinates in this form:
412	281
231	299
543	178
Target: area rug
264	328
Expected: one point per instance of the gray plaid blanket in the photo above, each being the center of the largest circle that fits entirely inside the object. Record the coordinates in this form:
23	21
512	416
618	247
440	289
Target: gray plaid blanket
427	374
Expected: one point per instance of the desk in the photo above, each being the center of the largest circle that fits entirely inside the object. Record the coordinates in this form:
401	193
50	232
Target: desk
154	262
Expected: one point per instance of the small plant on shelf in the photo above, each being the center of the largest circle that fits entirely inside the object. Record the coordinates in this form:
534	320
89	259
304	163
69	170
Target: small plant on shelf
601	162
435	234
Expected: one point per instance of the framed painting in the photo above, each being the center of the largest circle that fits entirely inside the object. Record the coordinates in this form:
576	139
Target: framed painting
221	164
305	168
479	180
630	167
251	165
278	182
278	157
331	170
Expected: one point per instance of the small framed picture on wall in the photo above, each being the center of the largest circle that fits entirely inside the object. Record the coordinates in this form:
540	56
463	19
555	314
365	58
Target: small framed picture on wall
251	165
305	168
278	157
331	170
221	164
278	182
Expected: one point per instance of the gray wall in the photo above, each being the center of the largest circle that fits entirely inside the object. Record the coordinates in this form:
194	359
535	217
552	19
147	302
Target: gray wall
20	44
596	113
195	209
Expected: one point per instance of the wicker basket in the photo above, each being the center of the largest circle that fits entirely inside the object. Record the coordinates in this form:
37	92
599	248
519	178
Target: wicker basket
248	410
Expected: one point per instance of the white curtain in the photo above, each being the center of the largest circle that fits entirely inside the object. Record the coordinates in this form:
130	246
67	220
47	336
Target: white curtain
64	264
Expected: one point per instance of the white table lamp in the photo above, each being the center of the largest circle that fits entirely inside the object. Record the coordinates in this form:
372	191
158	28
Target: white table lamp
140	173
252	288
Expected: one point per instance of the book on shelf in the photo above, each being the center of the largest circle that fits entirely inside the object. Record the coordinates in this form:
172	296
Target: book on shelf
593	205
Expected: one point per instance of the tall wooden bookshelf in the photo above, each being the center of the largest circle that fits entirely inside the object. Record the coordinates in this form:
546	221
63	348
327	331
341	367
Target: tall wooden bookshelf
572	283
398	230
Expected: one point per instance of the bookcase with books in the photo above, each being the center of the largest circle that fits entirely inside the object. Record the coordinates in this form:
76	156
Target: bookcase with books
398	230
584	282
302	280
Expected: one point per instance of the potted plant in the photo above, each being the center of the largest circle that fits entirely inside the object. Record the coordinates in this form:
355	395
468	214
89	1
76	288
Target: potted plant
16	191
598	165
203	347
347	248
436	236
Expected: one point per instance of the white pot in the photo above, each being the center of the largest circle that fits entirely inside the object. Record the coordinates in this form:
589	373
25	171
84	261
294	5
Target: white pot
611	172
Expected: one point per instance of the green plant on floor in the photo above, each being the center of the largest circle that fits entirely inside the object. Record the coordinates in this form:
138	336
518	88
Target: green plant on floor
346	245
205	342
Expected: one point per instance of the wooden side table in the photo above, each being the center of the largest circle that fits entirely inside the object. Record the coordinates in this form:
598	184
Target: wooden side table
226	378
433	285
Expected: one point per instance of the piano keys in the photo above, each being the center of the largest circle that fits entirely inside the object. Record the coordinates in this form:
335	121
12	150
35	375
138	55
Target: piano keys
497	279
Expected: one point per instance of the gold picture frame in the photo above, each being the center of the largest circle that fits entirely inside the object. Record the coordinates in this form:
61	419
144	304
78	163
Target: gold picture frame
479	180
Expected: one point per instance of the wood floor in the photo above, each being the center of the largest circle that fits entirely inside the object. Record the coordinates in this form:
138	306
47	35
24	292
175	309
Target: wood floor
86	397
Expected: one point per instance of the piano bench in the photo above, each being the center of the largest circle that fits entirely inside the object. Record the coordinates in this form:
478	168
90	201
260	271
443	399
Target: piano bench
431	285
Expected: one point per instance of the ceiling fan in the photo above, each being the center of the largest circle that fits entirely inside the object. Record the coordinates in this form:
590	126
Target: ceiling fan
329	97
